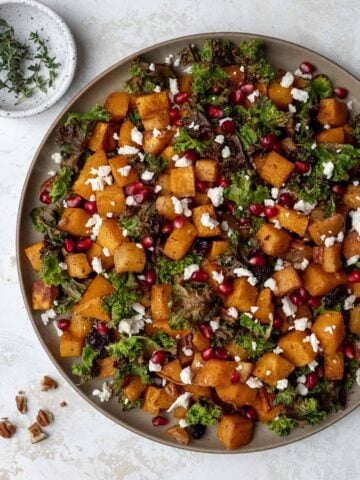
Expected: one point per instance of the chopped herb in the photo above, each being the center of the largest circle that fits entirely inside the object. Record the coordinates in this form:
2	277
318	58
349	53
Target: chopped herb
282	425
206	415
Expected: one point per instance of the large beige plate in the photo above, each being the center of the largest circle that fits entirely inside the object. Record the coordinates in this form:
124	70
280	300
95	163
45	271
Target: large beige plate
281	54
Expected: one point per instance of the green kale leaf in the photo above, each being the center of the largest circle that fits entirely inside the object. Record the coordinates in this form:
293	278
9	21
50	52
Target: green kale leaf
254	346
244	191
120	304
320	87
252	55
216	51
356	129
185	142
207	76
163	340
206	415
85	121
282	425
343	158
167	269
51	272
308	409
286	396
85	368
61	184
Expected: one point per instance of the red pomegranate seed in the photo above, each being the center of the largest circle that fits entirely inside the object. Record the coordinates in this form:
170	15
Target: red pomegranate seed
126	381
251	413
354	276
74	201
166	229
307	67
216	90
304	294
223	182
311	380
236	97
225	289
349	351
338	189
270	212
268	140
144	284
302	167
142	196
134	188
206	330
314	302
178	123
150	276
181	97
228	126
286	200
215	112
207	354
84	244
101	328
148	242
257	260
277	147
191	155
63	324
69	245
201	186
159	421
90	207
296	299
247	88
179	221
256	209
341	92
199	276
174	113
235	377
158	357
244	223
231	207
221	353
320	371
277	323
45	197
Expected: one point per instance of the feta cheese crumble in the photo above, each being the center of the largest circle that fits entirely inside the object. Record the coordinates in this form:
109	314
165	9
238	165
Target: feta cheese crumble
288	307
225	152
218	276
102	177
287	80
136	136
147	176
216	195
208	221
270	283
282	384
186	376
128	150
104	394
189	270
124	171
96	265
48	315
299	95
254	382
328	169
253	96
94	223
181	401
232	312
219	139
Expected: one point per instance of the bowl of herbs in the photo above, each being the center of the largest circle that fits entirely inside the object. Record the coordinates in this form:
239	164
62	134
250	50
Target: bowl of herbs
37	58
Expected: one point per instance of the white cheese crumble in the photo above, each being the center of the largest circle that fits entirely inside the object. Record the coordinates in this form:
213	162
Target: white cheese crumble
189	270
104	394
329	241
48	315
349	105
183	423
59	332
254	382
349	302
216	195
300	74
94	223
147	176
63	266
299	95
173	84
244	272
154	367
106	252
302	389
132	326
124	171
269	202
157	188
301	324
301	265
274	193
270	283
157	89
278	350
312	365
328	169
355	217
292	108
187	352
330	329
183	162
219	139
130	201
314	342
352	260
186	376
254	309
156	133
208	221
215	325
181	401
102	177
279	265
282	384
287	80
218	276
128	150
225	152
357	375
96	265
181	207
253	96
288	307
303	206
136	136
232	312
56	157
116	136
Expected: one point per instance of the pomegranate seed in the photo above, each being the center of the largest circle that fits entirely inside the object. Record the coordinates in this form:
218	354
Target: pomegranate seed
296	299
302	167
338	189
142	196
126	381
236	97
84	244
251	413
101	328
147	242
244	223
166	228
158	357
199	276
320	371
354	276
45	197
221	353
69	245
231	207
307	67
256	209
191	155
277	323
225	289
134	188
314	302
235	377
74	201
150	276
216	90
206	330
215	112
341	92
268	140
270	212
286	200
311	380
90	207
159	421
228	126
207	354
174	113
178	122
247	88
349	351
201	186
63	324
277	147
223	182
181	97
179	221
304	294
257	260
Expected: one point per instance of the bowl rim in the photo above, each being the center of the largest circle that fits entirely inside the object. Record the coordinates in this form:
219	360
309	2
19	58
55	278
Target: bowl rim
62	372
71	67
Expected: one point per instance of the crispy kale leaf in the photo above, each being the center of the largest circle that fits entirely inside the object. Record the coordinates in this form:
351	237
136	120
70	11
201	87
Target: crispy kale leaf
342	157
252	55
185	142
254	338
206	415
207	76
244	191
286	396
51	272
356	129
131	348
167	269
61	184
86	120
119	305
320	87
144	80
85	369
45	219
218	52
282	425
307	409
163	340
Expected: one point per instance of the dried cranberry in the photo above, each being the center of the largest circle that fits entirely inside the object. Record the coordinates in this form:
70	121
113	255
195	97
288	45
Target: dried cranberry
197	431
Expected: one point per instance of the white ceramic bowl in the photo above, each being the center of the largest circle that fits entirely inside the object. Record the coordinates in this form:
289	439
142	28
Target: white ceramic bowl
27	16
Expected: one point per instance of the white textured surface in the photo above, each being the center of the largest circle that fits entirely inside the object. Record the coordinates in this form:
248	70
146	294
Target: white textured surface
83	444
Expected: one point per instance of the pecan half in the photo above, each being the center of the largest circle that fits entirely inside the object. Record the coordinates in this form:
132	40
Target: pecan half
44	418
7	429
36	434
21	403
48	383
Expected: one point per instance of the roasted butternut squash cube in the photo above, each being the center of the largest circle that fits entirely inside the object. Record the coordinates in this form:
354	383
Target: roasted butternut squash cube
207	170
182	181
73	221
102	137
106	367
134	389
265	306
201	198
111	200
151	397
274	168
237	395
205	221
33	254
42	295
291	220
296	348
111	235
287	281
185	82
200	342
198	392
171	372
180	435
351	244
272	367
334	366
99	287
165	207
214	373
80	327
122	176
168	153
164	182
331	261
218	247
125	135
164	326
354	323
160	297
329	227
355	288
117	104
264	412
330	330
212	268
129	258
332	135
352	196
280	96
243	296
81	186
154	110
155	143
234	431
318	283
167	396
92	308
107	261
78	265
237	74
332	112
273	242
70	346
179	241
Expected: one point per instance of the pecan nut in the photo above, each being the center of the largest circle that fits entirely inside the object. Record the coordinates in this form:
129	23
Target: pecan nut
44	418
21	403
48	383
36	434
7	429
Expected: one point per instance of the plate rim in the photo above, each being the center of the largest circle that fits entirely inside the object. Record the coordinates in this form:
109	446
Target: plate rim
59	368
